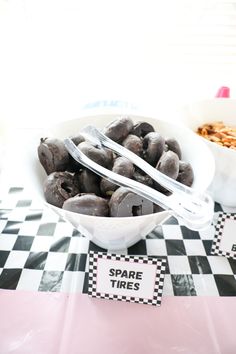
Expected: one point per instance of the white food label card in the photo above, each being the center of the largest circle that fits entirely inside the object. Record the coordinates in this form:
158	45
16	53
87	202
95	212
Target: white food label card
138	279
224	243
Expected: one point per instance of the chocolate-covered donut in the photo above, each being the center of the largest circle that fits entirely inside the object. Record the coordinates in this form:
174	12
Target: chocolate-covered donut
77	139
60	186
186	174
98	154
88	204
88	181
134	144
53	155
75	166
123	202
141	129
119	129
173	145
168	164
122	166
153	147
143	178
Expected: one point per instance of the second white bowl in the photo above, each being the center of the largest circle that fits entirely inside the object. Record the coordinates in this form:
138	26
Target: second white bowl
223	186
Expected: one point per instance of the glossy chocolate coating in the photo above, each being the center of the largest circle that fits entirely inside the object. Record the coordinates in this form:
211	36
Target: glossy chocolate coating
153	147
143	178
123	202
58	187
186	174
141	129
53	155
77	139
99	155
88	204
173	145
134	144
88	181
122	166
119	129
169	166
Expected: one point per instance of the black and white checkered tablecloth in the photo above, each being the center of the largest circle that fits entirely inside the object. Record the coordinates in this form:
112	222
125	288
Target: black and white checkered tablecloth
41	252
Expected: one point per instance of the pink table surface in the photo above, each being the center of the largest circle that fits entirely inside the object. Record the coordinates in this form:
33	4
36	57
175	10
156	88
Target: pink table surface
48	323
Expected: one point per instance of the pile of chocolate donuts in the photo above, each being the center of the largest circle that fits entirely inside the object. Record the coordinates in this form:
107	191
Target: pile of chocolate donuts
75	188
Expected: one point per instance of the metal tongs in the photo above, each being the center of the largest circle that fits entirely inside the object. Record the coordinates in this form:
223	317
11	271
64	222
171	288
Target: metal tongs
192	208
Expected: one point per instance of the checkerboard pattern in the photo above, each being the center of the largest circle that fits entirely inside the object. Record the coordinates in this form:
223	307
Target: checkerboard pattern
216	245
41	252
159	279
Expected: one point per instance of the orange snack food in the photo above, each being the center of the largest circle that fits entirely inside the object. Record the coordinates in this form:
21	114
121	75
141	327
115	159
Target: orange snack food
219	133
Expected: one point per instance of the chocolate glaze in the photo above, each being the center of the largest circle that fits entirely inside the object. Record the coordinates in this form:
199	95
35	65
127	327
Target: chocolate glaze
123	202
53	155
60	186
88	204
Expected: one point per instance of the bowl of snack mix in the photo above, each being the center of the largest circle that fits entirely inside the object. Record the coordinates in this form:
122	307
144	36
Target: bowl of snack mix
214	122
110	215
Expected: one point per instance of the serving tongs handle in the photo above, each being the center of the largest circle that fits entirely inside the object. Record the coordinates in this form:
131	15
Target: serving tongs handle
94	135
195	219
187	196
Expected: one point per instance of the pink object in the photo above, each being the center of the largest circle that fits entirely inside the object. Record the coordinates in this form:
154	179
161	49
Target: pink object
59	323
223	92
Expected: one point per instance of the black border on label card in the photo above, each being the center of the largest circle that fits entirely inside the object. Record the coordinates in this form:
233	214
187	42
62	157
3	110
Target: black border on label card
215	249
159	278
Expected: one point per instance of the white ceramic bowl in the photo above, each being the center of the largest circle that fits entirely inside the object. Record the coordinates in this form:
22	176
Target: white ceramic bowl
223	186
119	233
